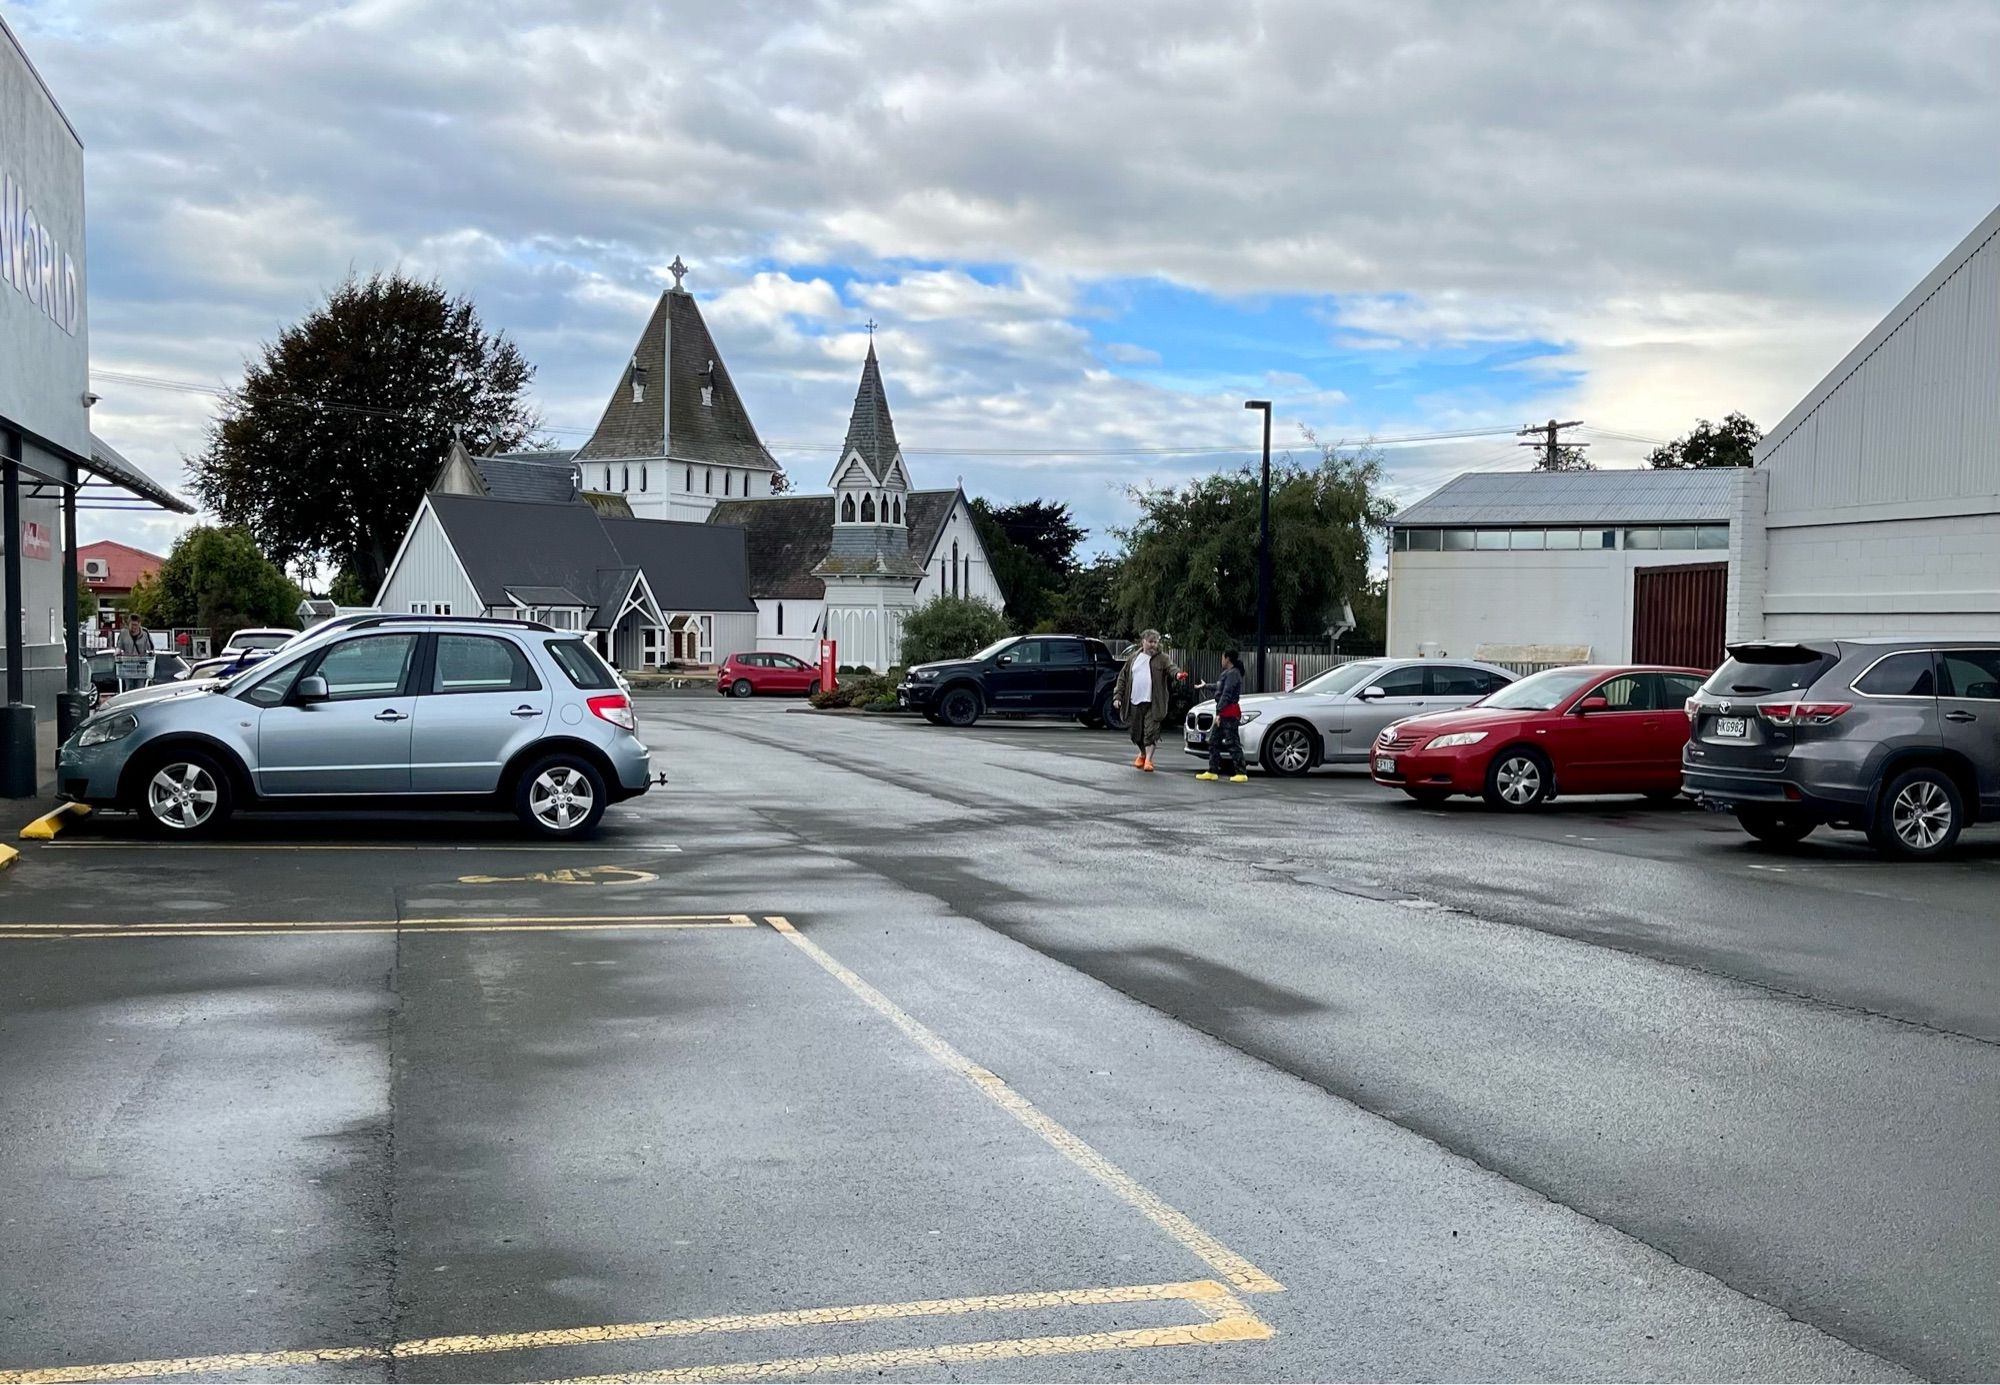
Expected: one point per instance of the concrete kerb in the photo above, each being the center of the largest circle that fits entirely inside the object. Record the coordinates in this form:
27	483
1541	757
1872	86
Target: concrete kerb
45	827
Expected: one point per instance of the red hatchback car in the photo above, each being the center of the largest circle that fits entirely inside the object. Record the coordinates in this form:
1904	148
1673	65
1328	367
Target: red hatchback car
1589	729
744	675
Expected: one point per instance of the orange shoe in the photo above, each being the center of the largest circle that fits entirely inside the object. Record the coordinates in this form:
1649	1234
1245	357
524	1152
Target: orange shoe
1138	762
1147	764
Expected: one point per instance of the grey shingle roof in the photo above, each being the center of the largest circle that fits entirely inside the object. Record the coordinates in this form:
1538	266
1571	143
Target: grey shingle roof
870	430
527	476
547	596
1576	497
679	358
520	545
790	536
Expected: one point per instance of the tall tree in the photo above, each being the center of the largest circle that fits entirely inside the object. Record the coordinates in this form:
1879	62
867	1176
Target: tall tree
325	449
1568	458
1032	548
216	579
1086	604
1732	442
1190	566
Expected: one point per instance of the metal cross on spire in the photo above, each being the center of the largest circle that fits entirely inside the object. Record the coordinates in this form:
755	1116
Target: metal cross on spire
870	325
678	270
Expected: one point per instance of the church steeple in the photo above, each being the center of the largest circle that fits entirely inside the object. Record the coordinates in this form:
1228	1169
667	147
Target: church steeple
869	482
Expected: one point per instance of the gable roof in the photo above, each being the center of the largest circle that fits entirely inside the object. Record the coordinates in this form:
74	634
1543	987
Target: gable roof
1699	496
789	536
521	546
123	563
547	476
678	358
871	433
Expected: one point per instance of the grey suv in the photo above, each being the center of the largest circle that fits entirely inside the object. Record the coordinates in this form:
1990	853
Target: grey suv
1897	737
401	711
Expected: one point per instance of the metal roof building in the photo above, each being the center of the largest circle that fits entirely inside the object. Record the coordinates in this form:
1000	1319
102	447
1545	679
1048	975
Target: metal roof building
1575	497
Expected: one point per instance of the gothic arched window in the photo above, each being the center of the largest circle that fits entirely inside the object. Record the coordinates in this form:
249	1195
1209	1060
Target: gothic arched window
954	567
847	509
867	509
899	509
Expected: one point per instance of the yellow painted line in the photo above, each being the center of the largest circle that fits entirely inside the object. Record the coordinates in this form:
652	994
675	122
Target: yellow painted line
8	855
45	827
1227	1320
1231	1266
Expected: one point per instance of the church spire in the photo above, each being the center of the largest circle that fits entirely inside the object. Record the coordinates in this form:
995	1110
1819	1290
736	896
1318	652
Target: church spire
871	432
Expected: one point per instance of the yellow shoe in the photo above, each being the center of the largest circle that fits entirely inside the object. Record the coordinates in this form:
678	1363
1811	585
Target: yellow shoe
1207	778
1239	778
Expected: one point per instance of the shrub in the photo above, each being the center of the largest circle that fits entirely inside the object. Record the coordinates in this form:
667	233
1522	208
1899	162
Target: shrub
860	690
951	627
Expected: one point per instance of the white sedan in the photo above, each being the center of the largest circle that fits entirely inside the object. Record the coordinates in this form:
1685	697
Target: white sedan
1334	718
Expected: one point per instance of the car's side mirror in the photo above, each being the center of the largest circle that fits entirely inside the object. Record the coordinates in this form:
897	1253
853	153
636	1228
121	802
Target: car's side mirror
1593	704
1372	693
311	689
1004	660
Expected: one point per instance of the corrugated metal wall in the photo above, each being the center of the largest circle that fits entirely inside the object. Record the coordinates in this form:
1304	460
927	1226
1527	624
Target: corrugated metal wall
1918	419
1679	613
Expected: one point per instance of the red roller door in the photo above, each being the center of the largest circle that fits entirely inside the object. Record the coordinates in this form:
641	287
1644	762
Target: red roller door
1679	614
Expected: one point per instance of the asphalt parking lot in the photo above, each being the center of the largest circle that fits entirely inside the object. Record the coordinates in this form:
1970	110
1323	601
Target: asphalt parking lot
869	1047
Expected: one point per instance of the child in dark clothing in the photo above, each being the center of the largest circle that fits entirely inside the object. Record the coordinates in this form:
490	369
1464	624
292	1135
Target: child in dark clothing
1226	741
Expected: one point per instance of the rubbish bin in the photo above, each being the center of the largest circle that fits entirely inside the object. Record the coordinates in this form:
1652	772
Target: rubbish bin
71	709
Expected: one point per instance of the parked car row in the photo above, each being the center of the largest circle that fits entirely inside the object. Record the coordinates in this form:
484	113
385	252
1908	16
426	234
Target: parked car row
1896	738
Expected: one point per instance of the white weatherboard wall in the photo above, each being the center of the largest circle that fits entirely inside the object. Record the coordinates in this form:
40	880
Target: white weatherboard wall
427	571
800	636
975	576
1881	495
1462	600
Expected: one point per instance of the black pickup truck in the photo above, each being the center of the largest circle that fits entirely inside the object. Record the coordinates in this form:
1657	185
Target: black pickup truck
1023	675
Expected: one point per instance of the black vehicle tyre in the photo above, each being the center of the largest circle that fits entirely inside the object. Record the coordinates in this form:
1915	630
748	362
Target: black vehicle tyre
959	707
561	796
1775	826
1111	716
1518	779
813	691
1918	816
933	718
91	695
1429	798
1290	750
741	688
185	794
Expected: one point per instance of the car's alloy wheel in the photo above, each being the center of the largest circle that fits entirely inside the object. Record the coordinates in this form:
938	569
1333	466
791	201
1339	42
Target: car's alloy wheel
561	796
1288	750
960	707
186	795
1920	815
1519	779
741	688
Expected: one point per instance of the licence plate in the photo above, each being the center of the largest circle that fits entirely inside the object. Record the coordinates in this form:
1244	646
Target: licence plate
1734	728
1196	738
1385	764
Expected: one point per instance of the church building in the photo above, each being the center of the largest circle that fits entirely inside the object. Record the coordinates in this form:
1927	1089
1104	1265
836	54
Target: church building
675	449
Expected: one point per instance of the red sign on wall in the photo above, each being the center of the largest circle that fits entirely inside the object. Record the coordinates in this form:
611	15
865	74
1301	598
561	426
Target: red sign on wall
1291	674
829	663
36	541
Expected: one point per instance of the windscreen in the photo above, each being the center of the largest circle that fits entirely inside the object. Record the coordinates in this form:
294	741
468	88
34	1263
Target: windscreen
1345	678
1755	669
1539	692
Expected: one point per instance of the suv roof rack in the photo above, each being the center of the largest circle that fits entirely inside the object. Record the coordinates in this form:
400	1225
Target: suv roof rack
370	622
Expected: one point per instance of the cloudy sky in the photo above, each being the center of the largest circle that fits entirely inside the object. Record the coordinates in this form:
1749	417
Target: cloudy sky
1081	226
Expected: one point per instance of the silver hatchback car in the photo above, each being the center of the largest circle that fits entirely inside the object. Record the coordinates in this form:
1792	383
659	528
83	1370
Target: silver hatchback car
395	711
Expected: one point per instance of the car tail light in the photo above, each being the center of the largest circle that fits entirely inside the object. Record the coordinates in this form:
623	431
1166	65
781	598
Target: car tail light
615	708
1690	708
1803	713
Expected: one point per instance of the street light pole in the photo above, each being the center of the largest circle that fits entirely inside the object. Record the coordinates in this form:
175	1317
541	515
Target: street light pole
1263	548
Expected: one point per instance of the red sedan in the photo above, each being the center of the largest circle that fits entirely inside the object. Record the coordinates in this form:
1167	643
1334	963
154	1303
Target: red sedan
1589	729
744	675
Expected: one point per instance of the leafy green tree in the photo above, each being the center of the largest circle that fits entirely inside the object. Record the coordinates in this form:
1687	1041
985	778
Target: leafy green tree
951	627
1032	548
348	591
325	449
86	601
1086	605
1733	442
1190	566
216	578
1568	458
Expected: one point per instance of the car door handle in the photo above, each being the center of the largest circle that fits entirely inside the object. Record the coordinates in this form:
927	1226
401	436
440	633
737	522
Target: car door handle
525	712
391	714
1960	716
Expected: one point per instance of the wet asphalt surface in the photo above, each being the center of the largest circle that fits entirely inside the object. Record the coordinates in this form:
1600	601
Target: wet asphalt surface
1603	1093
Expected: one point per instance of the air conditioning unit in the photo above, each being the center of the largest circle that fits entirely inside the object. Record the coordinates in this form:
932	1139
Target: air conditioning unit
96	569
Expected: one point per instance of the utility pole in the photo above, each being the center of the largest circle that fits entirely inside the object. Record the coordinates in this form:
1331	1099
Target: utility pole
1549	443
1263	547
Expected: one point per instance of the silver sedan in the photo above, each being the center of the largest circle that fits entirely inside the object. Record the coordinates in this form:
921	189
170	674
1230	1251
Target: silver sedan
1334	718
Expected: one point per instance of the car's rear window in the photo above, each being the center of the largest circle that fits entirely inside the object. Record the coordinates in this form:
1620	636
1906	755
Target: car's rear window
581	663
1753	670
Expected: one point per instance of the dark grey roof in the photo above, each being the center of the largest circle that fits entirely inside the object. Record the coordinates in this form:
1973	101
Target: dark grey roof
520	546
527	477
545	454
869	550
690	567
110	464
870	430
1699	496
678	358
546	596
790	536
